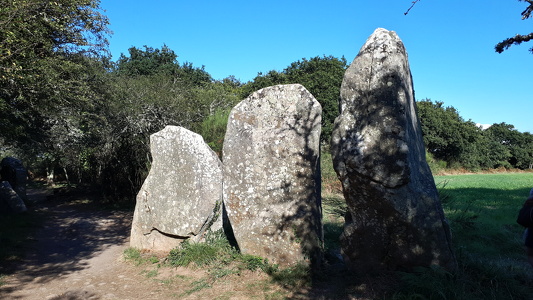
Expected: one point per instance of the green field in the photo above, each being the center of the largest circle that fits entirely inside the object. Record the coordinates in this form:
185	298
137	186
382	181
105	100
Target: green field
482	210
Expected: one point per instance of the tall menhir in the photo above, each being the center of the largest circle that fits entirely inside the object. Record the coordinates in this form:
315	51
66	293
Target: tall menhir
394	218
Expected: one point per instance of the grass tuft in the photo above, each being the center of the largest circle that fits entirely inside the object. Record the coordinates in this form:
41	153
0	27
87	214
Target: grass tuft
138	258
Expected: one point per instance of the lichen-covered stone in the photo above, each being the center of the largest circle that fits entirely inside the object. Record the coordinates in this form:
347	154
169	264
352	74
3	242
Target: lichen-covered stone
182	196
394	219
10	201
272	174
12	170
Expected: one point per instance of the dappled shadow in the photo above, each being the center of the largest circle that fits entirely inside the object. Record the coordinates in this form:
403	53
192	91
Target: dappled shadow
305	219
75	230
394	218
272	185
493	240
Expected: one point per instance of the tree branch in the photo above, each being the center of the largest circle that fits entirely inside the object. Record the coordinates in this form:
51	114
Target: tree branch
519	38
527	12
414	2
516	40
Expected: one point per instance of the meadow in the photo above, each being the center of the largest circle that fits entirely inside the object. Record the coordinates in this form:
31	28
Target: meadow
482	210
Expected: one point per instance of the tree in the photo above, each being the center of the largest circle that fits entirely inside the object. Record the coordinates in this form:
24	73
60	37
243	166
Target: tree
151	90
519	145
161	62
53	57
449	138
149	61
322	76
440	128
519	38
45	48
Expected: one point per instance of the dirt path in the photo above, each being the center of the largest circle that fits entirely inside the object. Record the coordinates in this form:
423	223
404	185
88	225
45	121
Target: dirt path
78	255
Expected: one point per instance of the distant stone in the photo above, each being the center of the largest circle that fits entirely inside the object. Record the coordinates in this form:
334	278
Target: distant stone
394	219
10	201
181	199
12	170
272	175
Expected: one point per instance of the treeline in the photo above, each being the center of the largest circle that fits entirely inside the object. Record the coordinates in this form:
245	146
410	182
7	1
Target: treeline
455	143
70	112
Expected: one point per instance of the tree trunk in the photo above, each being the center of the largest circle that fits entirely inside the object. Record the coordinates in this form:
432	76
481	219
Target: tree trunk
50	176
66	175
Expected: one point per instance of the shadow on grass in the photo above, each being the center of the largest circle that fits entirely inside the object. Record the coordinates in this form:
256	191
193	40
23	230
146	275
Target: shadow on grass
486	239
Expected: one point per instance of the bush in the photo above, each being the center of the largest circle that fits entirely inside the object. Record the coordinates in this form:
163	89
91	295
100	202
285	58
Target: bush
436	166
213	129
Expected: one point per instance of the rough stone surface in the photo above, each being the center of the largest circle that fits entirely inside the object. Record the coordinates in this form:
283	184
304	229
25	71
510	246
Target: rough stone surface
182	196
10	202
272	174
12	170
394	219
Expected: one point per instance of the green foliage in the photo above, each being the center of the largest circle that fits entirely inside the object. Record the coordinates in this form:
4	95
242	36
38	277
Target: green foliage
45	49
329	176
150	91
154	61
443	130
213	129
435	165
252	262
518	146
201	254
461	144
216	250
149	61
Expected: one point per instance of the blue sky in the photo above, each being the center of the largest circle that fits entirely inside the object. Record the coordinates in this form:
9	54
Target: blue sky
450	43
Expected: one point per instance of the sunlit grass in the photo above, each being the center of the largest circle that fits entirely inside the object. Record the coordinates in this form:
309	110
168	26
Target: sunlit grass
482	210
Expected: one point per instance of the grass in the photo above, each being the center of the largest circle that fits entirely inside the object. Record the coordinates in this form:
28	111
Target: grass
482	211
220	259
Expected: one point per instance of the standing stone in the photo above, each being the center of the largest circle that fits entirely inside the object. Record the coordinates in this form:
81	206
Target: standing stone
272	175
182	196
394	218
12	170
10	201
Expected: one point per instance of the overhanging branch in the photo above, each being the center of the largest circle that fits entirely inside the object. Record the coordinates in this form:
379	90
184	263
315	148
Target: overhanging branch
414	2
516	40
